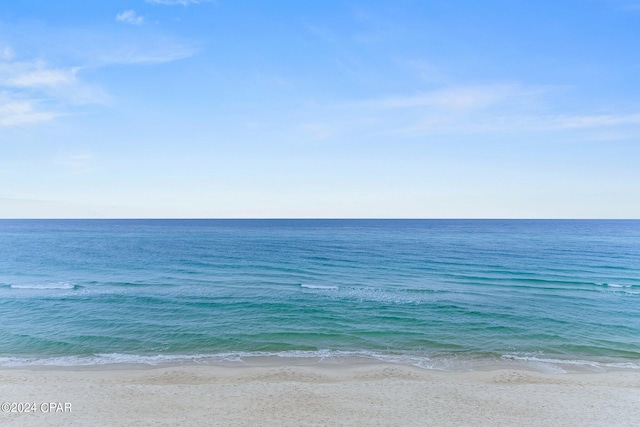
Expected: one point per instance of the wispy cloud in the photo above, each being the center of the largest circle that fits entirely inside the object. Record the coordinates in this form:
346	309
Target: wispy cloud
179	2
43	78
491	108
452	108
503	121
38	77
130	17
20	103
458	98
600	120
158	52
32	92
22	112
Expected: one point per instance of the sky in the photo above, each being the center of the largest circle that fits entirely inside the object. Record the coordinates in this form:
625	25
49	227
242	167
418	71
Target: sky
314	109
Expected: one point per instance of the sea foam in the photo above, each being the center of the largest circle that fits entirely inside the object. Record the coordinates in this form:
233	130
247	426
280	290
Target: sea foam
322	287
45	286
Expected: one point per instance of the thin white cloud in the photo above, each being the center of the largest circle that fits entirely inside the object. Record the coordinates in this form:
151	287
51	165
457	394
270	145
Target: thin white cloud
601	120
157	53
43	78
35	74
458	98
32	92
519	122
547	122
179	2
39	79
22	113
130	17
494	108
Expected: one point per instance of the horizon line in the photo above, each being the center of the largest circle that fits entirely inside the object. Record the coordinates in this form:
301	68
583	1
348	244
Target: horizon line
316	219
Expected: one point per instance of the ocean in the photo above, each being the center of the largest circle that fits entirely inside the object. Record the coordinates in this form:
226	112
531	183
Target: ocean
554	295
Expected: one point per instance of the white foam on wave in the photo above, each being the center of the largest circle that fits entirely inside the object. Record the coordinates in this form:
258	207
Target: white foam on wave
562	364
441	362
101	359
45	286
622	289
323	287
376	295
614	285
235	357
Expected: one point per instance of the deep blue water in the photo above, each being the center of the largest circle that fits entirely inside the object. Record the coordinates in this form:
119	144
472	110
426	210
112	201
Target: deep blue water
441	293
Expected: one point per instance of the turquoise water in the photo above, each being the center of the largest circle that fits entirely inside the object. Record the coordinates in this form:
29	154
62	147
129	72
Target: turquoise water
436	293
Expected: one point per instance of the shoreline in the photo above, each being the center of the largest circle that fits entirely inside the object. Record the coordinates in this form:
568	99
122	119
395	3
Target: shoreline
445	363
320	394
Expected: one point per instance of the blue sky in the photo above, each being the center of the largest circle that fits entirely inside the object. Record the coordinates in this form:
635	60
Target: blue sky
185	108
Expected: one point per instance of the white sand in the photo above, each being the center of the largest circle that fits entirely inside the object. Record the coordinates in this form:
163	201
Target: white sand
331	395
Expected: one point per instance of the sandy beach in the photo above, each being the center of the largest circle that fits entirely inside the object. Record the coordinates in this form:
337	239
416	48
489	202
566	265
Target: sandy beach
289	395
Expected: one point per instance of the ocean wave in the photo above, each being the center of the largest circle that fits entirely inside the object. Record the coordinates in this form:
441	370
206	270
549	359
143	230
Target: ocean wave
441	362
46	286
615	285
385	296
170	359
558	364
321	287
618	288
